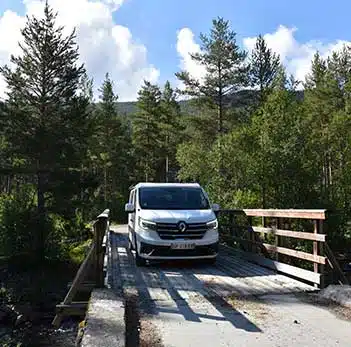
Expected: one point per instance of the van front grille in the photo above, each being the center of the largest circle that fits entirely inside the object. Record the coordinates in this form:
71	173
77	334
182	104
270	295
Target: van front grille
170	231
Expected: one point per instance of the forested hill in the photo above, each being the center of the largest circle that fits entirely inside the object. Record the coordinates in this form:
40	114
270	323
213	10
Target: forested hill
239	99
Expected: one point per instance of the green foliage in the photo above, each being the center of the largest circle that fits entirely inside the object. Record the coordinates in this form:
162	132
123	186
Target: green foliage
147	133
271	146
78	252
18	221
264	68
225	72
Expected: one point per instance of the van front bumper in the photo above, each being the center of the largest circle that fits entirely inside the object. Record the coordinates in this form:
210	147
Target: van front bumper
150	251
151	246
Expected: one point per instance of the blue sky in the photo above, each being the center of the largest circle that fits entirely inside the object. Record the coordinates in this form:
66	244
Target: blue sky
154	24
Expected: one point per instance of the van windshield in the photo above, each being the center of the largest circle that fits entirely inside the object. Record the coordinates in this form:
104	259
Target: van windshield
172	198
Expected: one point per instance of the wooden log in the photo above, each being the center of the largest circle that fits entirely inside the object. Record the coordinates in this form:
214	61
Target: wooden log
293	234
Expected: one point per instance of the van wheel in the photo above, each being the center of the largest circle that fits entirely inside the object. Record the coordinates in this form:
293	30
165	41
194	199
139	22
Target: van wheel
210	261
139	261
130	245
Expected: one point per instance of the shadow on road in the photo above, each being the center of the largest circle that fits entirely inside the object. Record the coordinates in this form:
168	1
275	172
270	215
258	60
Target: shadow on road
148	306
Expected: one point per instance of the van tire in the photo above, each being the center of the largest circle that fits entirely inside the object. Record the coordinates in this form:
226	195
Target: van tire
130	245
139	261
210	261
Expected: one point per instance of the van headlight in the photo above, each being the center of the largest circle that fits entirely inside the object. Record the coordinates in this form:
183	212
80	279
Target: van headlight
146	224
212	225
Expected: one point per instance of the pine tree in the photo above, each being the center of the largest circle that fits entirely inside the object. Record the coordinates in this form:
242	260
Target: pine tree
264	67
225	74
146	132
47	125
111	148
170	130
322	101
226	71
86	87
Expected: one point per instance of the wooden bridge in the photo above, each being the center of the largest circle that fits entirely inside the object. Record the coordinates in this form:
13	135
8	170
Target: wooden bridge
260	257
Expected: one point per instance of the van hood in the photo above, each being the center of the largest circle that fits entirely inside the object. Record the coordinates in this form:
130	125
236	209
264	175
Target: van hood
174	216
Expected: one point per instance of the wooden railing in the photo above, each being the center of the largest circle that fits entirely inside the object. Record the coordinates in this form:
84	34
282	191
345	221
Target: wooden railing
254	239
91	269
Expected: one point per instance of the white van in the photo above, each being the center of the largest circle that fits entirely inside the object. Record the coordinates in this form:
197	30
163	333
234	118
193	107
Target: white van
171	221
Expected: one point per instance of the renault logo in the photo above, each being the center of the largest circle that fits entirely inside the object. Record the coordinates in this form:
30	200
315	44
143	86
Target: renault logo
181	227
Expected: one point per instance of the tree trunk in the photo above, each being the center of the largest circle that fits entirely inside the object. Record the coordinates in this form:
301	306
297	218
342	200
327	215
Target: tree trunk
167	163
40	240
105	184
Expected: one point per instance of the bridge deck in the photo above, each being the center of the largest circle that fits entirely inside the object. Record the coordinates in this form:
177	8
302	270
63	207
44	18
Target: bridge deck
237	303
166	282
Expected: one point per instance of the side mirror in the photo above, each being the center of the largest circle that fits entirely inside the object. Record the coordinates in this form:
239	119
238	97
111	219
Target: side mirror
129	208
215	207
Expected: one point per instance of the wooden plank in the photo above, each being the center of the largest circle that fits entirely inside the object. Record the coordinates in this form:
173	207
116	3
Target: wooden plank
83	287
321	253
277	239
99	232
104	214
297	254
78	279
281	267
289	213
315	245
72	309
290	252
293	234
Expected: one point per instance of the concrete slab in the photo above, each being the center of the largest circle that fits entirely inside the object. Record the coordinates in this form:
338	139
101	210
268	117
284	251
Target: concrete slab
105	326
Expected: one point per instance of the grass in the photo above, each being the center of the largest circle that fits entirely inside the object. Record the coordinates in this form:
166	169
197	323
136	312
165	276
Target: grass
78	252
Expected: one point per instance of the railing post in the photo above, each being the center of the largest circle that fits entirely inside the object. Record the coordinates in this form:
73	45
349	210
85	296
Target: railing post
315	246
251	235
321	252
263	221
231	224
99	232
277	243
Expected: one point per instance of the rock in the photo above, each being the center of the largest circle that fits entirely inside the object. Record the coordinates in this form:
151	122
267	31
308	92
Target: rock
7	315
27	313
20	320
340	294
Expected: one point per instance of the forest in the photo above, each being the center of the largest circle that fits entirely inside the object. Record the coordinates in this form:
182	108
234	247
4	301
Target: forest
251	134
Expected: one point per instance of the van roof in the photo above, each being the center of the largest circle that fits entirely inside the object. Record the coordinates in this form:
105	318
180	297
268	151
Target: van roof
155	184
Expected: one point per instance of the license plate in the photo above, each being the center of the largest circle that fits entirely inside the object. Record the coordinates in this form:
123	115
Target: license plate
183	246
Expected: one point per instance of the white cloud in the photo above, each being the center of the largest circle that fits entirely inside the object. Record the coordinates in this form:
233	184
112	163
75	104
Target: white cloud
104	46
186	45
296	56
